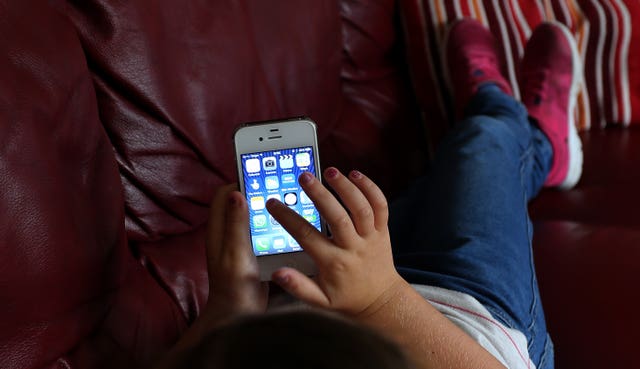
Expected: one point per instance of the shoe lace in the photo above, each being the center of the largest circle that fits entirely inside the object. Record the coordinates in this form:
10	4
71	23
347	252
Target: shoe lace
480	61
534	86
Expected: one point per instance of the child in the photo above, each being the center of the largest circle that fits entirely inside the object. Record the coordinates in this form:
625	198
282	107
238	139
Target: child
463	291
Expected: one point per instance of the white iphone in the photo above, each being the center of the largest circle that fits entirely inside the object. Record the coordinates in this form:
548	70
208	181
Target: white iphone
271	156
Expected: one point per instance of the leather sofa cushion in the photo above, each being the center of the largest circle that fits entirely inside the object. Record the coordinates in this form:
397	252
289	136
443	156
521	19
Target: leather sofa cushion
174	80
62	245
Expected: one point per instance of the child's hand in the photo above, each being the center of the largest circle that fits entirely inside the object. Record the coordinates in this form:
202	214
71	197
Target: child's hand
355	266
234	281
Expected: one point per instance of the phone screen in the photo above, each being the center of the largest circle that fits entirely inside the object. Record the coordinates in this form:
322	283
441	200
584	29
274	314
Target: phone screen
274	174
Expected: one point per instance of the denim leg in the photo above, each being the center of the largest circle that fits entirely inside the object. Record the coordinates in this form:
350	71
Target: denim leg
466	226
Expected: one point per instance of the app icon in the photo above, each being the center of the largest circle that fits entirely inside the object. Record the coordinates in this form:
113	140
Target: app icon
274	196
273	221
257	203
288	178
260	221
310	217
262	243
271	182
290	198
293	243
278	243
252	165
269	163
304	198
303	159
286	161
255	185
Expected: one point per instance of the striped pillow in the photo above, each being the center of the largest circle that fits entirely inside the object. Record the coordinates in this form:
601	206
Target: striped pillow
604	33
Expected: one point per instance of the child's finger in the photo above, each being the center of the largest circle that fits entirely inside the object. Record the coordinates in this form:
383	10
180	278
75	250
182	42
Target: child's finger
215	226
236	235
309	238
334	214
375	197
353	199
300	286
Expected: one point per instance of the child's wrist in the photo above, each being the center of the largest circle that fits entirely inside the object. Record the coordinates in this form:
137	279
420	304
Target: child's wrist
392	295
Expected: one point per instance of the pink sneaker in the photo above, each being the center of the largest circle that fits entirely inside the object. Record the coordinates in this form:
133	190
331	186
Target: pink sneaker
549	81
471	59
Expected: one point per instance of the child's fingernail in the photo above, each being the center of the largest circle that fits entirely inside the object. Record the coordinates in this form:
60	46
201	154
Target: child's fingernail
356	174
282	279
331	173
232	200
305	177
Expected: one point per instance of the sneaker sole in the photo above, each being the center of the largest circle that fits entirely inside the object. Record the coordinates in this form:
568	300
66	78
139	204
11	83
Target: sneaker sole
574	171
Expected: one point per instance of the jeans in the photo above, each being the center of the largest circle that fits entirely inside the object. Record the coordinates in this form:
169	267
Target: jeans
465	226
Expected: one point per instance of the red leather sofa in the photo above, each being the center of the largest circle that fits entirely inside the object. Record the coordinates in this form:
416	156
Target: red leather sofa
115	129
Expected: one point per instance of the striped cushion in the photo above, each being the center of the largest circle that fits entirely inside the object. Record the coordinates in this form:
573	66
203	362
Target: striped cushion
604	32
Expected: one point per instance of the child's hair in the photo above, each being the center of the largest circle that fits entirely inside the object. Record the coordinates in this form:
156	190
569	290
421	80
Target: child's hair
295	340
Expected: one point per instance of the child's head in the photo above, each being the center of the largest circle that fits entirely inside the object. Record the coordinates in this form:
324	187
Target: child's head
295	340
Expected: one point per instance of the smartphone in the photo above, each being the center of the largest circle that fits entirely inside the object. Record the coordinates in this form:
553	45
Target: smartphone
271	156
